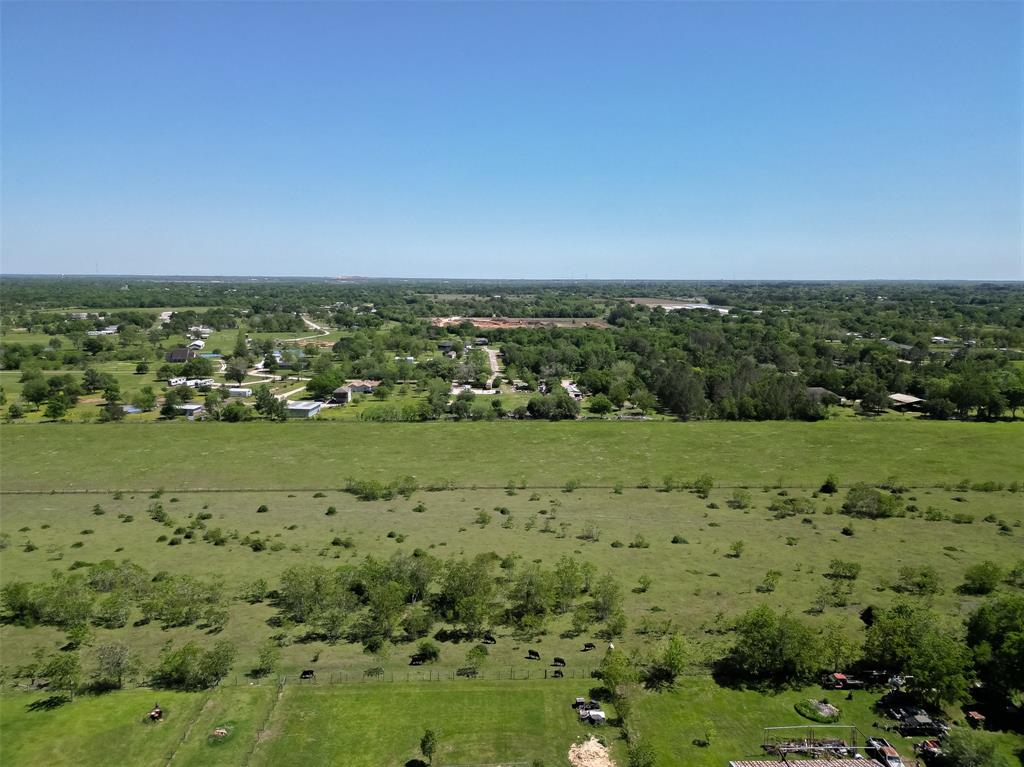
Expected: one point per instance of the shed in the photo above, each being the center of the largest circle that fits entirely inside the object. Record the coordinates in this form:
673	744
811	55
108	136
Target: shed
905	402
302	408
341	395
190	410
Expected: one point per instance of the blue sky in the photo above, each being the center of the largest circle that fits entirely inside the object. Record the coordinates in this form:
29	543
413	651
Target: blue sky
613	140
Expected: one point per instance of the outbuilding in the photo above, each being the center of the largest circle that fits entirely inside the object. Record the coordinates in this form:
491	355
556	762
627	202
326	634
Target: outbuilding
904	402
303	408
239	391
190	410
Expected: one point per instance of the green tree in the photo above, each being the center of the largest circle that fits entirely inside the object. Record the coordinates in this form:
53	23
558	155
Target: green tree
964	747
607	596
114	662
668	665
862	500
428	745
838	650
773	648
35	391
56	407
995	634
907	639
236	369
63	670
145	398
267	659
982	578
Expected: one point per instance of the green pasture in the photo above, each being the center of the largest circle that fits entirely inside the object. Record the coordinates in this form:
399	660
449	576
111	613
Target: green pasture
379	724
318	455
697	587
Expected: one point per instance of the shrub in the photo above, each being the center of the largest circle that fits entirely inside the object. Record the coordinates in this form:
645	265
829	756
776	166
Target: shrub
679	539
865	501
810	710
262	509
428	651
982	578
843	570
830	485
702	485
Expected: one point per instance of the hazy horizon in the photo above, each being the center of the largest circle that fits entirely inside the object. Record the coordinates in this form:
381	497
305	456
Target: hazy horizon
731	141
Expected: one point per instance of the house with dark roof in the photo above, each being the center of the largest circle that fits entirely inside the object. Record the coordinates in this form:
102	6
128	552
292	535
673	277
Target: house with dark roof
180	354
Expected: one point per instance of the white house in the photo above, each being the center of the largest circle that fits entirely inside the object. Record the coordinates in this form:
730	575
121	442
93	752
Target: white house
197	344
302	408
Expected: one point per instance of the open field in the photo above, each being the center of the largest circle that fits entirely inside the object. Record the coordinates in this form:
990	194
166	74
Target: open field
296	469
378	724
320	455
697	587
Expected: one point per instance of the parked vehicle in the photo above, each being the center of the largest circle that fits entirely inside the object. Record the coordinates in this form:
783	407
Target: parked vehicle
883	752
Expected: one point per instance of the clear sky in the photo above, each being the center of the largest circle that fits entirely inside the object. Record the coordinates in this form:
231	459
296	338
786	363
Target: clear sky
604	140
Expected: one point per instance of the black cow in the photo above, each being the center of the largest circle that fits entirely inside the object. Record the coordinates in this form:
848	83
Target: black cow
587	647
533	655
559	661
308	674
417	660
489	639
557	673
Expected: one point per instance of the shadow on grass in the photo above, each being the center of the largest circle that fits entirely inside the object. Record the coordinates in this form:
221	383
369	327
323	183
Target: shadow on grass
48	704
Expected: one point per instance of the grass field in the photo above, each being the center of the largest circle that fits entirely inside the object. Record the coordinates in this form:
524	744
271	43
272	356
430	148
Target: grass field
695	584
378	724
320	455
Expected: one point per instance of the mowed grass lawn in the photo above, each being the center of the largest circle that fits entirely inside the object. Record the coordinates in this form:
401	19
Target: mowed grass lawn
94	730
379	724
44	457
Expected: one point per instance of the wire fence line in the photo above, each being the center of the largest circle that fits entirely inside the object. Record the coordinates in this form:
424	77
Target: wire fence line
418	675
446	488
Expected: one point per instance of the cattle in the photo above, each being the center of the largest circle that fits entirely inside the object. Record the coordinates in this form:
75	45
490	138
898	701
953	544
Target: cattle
557	673
587	647
417	660
558	661
532	655
308	674
489	639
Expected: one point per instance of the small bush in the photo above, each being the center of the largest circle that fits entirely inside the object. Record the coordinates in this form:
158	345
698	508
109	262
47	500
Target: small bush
808	709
